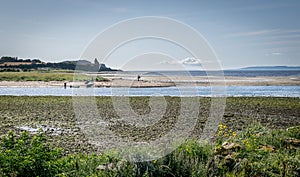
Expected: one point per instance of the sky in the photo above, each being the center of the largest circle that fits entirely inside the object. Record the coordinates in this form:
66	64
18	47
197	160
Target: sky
241	33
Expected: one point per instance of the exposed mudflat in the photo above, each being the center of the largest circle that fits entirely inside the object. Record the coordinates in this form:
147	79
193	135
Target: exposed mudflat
79	133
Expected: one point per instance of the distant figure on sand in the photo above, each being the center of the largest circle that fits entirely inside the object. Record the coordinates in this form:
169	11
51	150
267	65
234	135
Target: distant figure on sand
139	77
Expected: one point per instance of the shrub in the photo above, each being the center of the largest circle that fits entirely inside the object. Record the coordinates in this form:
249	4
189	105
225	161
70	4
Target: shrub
26	155
260	152
254	151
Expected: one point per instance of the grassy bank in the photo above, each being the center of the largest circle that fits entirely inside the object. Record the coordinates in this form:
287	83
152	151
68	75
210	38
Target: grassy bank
253	139
44	76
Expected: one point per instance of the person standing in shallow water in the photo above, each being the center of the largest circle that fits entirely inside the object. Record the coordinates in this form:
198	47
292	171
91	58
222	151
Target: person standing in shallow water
138	77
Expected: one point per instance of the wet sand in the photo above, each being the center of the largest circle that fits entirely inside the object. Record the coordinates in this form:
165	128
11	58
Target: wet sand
164	81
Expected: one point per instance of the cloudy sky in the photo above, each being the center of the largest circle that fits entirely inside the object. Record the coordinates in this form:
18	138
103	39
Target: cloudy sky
242	33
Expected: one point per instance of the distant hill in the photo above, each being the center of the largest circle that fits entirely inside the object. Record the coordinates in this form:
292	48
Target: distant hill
7	62
272	68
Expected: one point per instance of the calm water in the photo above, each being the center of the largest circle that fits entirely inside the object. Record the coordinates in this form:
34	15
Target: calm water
275	91
238	73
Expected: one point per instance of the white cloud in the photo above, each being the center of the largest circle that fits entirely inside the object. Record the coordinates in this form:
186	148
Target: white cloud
186	61
274	54
252	33
282	42
270	33
277	53
190	61
263	7
168	62
291	31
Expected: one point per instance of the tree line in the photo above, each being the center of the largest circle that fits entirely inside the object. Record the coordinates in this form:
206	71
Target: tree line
28	64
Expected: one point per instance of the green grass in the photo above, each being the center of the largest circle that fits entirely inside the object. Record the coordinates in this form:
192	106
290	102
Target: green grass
45	76
27	156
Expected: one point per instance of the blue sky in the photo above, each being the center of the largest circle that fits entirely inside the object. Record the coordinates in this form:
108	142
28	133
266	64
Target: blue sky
242	33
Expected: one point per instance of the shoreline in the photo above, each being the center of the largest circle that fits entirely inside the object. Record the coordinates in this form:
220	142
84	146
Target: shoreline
160	81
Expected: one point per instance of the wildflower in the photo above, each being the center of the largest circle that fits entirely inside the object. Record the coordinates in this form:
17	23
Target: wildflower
234	134
222	126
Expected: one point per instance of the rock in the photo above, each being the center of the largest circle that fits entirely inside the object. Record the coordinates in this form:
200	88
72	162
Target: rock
292	129
292	143
227	148
213	165
259	134
216	164
109	166
268	148
228	115
229	162
101	167
230	146
121	164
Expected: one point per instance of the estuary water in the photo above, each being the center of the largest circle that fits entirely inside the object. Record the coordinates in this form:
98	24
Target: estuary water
205	91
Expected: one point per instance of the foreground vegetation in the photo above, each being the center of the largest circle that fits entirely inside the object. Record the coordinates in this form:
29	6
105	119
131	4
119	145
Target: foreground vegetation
254	151
258	137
